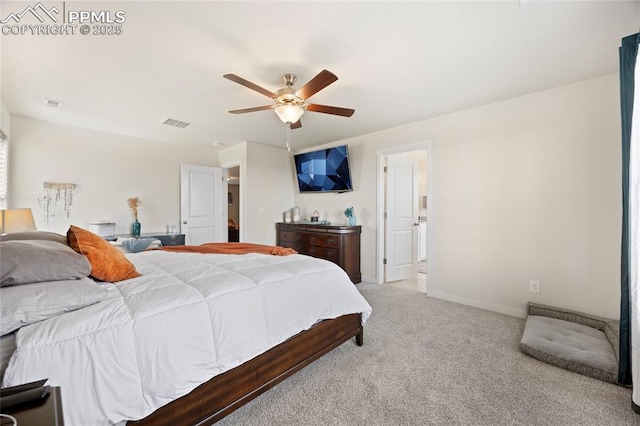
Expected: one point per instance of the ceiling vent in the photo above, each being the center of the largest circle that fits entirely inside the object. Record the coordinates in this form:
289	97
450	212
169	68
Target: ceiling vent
53	103
176	123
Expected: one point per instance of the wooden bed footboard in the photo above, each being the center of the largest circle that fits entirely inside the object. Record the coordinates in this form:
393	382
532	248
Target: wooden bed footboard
228	391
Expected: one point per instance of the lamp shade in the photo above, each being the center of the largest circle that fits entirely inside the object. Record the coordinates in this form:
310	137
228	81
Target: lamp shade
16	220
289	113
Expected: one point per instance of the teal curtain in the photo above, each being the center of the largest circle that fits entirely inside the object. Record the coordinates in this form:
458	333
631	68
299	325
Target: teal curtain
628	55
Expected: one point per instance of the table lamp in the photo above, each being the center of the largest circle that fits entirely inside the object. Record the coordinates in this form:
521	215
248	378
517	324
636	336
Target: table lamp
16	220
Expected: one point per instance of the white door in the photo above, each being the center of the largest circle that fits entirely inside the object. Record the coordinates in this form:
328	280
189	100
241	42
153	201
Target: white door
203	204
402	218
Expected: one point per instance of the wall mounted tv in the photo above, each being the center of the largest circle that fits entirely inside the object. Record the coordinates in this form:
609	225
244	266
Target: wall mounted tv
325	170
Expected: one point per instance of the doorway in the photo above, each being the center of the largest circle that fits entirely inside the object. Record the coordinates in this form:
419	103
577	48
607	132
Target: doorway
404	252
233	203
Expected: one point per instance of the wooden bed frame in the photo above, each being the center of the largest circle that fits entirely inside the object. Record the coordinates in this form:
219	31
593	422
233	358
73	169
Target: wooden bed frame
228	391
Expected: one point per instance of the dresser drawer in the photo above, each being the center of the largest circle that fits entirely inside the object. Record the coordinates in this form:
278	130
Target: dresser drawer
321	240
296	246
324	253
291	237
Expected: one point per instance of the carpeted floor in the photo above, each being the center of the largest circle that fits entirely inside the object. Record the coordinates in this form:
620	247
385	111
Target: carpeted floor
431	362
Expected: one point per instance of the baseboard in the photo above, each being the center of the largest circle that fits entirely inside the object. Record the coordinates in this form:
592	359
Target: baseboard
368	279
520	313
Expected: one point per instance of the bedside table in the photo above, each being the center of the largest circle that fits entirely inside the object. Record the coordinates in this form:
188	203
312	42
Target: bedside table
165	239
43	413
170	239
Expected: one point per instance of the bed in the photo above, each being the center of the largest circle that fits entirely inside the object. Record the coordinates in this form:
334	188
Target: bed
189	340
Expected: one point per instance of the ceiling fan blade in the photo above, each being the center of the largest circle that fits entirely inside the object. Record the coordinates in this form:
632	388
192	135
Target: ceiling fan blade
250	85
345	112
295	125
317	83
254	109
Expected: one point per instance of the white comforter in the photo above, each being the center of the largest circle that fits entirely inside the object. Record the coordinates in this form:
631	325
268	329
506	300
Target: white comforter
188	318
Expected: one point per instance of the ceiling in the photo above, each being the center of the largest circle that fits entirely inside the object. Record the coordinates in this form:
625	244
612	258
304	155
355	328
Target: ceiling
397	62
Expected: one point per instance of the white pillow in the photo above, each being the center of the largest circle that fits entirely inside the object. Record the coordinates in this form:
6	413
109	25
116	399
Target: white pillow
26	304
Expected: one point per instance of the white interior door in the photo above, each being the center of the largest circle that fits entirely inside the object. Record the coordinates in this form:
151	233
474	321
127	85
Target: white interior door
402	218
203	204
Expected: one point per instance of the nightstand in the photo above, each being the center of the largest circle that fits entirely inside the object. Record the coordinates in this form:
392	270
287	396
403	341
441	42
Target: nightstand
43	413
170	239
165	239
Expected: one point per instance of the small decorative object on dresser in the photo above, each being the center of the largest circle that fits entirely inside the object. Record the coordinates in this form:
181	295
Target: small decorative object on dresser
351	215
315	216
134	203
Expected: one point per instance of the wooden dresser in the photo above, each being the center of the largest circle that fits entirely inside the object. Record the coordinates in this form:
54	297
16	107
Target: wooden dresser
337	243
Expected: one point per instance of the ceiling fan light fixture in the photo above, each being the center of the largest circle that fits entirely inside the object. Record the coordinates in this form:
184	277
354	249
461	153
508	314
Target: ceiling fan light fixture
289	113
291	103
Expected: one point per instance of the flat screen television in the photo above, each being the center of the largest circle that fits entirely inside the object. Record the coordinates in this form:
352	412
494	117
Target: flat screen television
325	170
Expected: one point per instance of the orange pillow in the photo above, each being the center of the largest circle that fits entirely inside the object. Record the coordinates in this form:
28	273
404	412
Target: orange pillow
107	262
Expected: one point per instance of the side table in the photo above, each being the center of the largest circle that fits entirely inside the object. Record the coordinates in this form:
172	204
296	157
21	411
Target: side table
41	413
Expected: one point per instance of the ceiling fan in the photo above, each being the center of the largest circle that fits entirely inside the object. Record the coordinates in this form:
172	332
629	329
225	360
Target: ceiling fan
290	103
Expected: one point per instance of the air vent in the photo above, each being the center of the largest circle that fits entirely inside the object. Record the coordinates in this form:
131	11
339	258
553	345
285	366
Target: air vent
176	123
182	124
53	103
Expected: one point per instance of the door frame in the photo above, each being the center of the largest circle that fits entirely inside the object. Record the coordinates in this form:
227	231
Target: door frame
380	204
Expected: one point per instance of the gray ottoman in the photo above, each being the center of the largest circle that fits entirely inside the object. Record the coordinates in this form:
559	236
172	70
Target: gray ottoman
575	341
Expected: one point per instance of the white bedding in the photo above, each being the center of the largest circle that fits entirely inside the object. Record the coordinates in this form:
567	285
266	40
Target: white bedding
188	318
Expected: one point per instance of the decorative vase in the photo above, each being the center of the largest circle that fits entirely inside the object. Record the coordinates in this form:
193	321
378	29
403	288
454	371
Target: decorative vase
352	220
135	228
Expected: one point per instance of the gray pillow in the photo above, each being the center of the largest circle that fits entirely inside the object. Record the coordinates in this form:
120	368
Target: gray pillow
36	235
26	262
26	304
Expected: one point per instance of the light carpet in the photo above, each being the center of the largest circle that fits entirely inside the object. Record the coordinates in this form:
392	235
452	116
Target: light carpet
430	362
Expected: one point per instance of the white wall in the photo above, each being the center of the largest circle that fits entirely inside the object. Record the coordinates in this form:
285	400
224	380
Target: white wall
270	188
107	168
5	119
5	127
527	188
266	189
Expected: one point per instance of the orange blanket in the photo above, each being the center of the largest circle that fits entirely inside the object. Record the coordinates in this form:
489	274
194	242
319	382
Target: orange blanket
232	248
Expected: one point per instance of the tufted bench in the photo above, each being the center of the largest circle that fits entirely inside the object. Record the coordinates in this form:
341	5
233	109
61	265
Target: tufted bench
575	341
